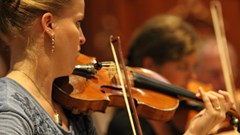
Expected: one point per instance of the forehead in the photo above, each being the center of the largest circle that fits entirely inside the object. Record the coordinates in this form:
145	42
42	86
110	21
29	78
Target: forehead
76	8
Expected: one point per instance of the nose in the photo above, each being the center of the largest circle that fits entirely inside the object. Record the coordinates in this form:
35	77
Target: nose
82	39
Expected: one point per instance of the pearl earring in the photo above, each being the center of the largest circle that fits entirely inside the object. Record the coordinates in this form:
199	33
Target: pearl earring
53	43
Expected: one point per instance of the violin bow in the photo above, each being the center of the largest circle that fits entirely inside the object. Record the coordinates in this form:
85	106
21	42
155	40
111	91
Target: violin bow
216	12
127	94
217	17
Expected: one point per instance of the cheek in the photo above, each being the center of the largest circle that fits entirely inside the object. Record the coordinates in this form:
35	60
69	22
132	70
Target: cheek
73	38
68	35
67	43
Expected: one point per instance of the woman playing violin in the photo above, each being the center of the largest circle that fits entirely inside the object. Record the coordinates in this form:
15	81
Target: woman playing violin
45	38
167	45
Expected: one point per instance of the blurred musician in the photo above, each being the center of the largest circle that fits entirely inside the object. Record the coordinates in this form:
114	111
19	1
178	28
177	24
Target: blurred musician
209	68
166	45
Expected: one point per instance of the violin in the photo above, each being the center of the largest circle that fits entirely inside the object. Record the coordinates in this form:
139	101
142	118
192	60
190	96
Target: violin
80	94
93	87
147	86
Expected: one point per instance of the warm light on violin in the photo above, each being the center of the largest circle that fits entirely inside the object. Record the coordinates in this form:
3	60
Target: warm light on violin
152	93
105	83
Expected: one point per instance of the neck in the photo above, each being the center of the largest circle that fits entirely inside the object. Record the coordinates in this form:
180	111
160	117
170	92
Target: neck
33	83
35	90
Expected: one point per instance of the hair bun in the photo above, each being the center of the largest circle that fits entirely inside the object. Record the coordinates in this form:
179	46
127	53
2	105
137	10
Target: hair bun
9	4
7	10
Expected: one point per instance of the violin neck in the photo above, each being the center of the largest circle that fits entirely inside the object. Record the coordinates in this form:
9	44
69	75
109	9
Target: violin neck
191	106
145	82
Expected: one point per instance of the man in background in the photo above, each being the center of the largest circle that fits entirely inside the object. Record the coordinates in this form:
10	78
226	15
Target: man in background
208	66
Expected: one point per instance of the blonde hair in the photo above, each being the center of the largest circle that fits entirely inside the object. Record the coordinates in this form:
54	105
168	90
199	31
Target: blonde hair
17	15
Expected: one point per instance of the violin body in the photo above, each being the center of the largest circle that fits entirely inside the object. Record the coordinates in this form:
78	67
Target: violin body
102	90
149	104
79	95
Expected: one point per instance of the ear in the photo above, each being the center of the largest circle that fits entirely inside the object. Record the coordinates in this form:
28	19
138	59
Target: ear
47	22
148	63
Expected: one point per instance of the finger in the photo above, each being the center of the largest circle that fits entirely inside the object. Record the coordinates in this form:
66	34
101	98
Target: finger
228	101
206	100
221	100
215	100
226	95
198	94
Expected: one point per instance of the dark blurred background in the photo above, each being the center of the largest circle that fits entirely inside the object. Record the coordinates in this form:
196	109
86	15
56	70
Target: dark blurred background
122	17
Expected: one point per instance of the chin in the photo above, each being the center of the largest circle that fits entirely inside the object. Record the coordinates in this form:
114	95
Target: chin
77	55
71	69
67	71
